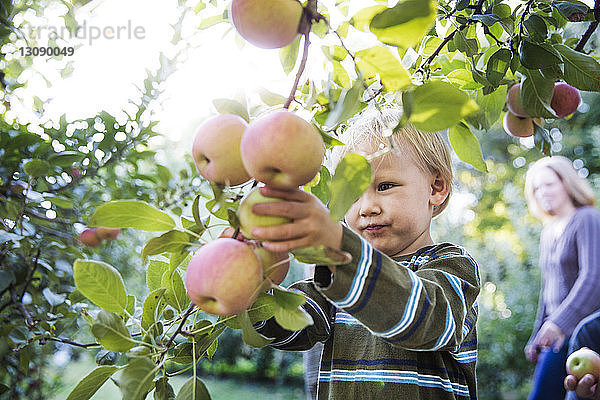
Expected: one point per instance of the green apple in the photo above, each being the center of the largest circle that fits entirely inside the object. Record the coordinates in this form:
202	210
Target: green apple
90	238
583	361
249	220
216	149
282	150
269	24
565	99
224	277
107	233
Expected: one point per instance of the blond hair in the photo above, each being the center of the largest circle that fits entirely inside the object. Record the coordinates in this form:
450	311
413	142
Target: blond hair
373	127
579	190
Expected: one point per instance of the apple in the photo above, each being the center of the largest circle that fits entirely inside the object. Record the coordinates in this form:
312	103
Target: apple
90	238
565	99
268	24
75	173
224	277
513	101
519	127
216	149
583	361
107	233
282	150
268	259
249	220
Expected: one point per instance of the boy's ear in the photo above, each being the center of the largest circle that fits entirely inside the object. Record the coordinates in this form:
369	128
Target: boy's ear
439	190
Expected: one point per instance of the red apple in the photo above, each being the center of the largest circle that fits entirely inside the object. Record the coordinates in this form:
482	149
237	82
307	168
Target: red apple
107	233
583	361
513	101
90	238
216	149
269	24
224	277
282	150
565	99
249	220
519	127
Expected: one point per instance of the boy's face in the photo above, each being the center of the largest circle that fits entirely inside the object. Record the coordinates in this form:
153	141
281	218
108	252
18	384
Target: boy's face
395	212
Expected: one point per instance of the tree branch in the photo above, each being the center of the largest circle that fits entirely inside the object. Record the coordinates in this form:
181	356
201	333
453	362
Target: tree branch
71	342
305	32
19	306
590	30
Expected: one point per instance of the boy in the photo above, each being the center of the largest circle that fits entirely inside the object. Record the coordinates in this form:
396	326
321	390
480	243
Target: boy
398	321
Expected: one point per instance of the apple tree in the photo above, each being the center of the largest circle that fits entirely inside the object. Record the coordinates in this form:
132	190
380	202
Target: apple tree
450	65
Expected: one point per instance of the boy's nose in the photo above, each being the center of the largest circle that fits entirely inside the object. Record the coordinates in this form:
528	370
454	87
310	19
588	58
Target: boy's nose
368	207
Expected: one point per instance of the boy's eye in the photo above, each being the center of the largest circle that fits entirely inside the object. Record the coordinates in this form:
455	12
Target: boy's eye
384	186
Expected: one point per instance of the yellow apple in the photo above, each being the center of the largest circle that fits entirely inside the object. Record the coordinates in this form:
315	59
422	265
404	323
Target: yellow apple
583	361
216	149
269	24
282	150
224	277
249	220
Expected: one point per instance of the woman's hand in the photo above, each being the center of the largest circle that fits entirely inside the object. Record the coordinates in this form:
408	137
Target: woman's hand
586	387
311	223
549	335
531	353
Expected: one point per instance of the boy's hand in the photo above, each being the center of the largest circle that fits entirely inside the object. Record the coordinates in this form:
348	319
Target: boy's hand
311	224
586	387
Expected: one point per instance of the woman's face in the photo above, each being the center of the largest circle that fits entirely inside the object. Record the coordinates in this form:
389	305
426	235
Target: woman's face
550	192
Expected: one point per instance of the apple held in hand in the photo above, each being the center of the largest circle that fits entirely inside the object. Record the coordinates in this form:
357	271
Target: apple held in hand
519	127
107	233
565	99
90	238
224	277
282	150
269	24
583	361
216	149
249	220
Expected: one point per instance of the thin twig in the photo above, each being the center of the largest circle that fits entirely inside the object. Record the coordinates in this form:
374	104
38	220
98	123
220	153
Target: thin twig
292	95
31	273
71	342
590	30
19	306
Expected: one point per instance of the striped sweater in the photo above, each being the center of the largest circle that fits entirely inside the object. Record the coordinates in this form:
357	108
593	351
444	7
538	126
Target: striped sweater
393	328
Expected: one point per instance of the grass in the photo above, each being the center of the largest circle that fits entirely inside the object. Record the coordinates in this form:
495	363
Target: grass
219	388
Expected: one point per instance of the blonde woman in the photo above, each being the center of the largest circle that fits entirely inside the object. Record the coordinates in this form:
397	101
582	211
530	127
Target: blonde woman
569	263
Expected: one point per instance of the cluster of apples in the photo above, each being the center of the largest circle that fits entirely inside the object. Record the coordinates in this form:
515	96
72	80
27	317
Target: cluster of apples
279	149
564	102
93	237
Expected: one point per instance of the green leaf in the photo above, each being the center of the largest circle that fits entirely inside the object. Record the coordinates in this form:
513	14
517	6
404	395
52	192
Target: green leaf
193	389
406	23
131	214
66	158
467	45
136	378
439	105
36	168
106	357
497	66
340	76
111	332
350	180
270	98
288	299
261	310
348	104
154	273
321	255
175	294
535	56
536	94
173	241
249	334
536	26
89	385
153	306
292	319
490	108
466	146
568	8
59	201
228	106
322	188
581	71
162	388
289	54
101	283
379	60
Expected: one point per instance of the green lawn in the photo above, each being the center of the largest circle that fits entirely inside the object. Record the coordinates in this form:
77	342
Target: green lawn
219	389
